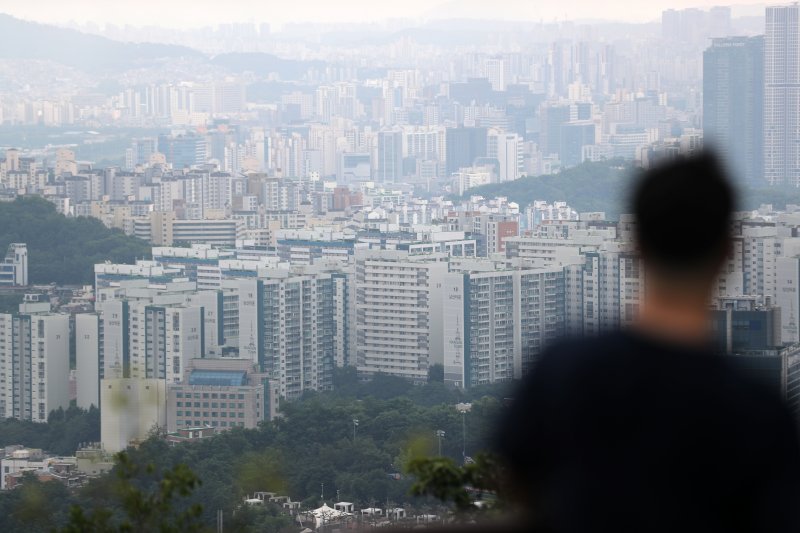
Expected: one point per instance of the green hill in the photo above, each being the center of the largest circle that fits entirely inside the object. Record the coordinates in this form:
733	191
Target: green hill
588	187
605	186
60	249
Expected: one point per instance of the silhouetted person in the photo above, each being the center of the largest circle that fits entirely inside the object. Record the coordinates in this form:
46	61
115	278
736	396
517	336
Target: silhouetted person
649	429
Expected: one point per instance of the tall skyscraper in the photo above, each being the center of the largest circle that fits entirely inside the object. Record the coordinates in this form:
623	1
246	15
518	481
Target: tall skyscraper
390	156
463	146
733	104
183	150
506	148
782	96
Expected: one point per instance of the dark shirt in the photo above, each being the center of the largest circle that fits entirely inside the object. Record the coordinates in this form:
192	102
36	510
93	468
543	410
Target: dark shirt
625	433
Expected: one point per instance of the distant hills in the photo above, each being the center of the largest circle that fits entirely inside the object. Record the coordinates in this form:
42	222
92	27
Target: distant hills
606	186
262	63
602	186
20	39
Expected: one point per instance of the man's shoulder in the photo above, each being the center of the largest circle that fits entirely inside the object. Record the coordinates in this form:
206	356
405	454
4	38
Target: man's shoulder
580	351
627	356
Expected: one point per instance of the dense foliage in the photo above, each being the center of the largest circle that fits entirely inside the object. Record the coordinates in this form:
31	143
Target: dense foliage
142	510
9	303
312	449
60	249
35	507
64	432
605	186
587	187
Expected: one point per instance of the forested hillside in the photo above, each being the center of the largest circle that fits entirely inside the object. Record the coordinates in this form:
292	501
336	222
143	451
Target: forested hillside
605	186
60	249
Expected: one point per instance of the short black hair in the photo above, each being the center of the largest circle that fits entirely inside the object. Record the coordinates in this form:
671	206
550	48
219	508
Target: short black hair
683	211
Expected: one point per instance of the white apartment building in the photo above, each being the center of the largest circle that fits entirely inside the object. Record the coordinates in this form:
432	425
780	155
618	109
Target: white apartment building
284	321
34	364
605	291
496	320
397	326
143	332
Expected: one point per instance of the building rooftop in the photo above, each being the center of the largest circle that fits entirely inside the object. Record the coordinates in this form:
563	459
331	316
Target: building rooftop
219	378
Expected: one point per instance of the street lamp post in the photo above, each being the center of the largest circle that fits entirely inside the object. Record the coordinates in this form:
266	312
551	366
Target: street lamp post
440	436
463	408
355	425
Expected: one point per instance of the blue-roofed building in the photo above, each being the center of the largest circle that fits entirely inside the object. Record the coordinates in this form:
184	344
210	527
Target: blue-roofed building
218	378
222	393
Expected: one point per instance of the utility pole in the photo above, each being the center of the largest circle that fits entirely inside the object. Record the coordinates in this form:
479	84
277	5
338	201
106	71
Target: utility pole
220	525
322	492
440	436
355	425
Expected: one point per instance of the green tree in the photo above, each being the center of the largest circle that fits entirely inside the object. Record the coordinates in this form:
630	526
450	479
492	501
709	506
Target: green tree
461	486
142	510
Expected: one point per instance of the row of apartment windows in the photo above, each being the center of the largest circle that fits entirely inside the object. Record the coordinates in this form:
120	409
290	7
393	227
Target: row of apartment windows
214	405
200	423
213	414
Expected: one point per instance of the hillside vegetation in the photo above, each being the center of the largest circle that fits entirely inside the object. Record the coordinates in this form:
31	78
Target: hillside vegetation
605	186
60	249
311	445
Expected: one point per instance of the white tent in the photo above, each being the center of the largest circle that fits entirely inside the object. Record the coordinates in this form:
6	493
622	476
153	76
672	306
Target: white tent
326	515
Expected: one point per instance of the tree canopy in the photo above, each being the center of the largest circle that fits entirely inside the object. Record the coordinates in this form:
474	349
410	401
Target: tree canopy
311	448
64	432
60	249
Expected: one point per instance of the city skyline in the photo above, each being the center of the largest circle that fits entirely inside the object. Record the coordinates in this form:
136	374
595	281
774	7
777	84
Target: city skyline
202	13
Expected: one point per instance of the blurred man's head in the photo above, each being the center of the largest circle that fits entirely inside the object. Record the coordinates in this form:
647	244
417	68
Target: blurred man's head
683	213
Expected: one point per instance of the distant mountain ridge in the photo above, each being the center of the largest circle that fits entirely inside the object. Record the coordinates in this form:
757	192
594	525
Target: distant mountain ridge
21	39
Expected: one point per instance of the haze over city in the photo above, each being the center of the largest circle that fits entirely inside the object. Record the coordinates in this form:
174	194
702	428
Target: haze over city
319	266
190	14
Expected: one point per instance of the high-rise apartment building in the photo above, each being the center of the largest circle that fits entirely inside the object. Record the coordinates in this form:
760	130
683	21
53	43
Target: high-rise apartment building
781	94
284	322
497	320
733	104
34	362
397	325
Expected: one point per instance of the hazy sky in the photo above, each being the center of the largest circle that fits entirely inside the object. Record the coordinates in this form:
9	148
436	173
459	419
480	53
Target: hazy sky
196	13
